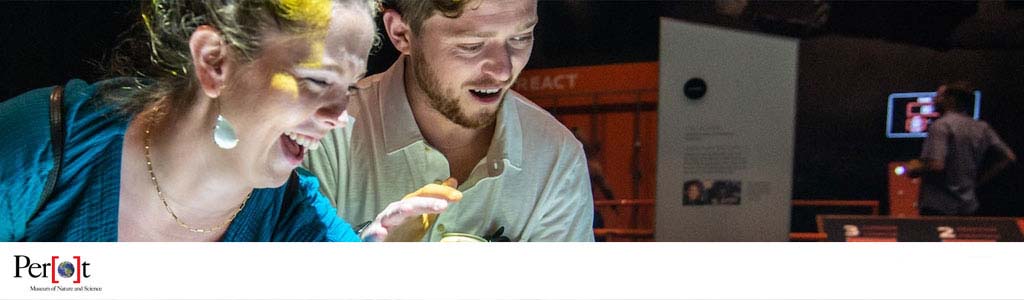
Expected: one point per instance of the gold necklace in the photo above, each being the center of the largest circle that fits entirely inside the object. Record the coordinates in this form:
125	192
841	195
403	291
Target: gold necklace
159	193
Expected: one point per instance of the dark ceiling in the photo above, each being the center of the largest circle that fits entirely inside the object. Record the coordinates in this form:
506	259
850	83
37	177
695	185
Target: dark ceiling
42	42
989	24
602	32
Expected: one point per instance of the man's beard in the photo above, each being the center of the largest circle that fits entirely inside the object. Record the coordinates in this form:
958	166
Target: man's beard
444	101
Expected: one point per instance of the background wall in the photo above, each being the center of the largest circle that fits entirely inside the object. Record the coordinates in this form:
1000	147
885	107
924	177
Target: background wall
841	149
46	43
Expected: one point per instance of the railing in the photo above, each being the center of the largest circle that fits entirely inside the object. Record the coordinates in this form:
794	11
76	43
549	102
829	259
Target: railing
630	220
626	220
872	204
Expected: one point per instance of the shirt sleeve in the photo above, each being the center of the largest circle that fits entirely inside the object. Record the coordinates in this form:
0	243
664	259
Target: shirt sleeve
570	213
934	148
26	159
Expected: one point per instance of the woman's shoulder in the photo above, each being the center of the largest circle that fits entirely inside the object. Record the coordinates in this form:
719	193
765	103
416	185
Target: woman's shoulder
25	126
86	103
26	155
30	111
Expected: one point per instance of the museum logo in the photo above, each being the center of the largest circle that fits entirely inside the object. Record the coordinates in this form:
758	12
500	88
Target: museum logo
56	270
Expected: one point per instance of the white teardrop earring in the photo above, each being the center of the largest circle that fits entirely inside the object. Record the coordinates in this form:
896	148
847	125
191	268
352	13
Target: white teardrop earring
224	134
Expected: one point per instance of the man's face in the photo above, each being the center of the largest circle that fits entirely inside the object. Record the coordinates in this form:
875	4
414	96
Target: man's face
467	64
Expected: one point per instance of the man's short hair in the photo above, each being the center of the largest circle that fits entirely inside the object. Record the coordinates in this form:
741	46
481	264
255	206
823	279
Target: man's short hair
961	92
414	12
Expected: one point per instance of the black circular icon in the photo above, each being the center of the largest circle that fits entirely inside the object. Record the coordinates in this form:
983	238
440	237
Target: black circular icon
695	88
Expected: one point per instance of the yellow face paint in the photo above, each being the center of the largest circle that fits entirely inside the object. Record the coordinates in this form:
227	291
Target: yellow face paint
317	13
286	83
316	54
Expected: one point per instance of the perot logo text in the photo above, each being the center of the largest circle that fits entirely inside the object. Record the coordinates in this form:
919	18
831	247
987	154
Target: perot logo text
56	269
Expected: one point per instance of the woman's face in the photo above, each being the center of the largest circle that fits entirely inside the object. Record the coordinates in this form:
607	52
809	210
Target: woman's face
294	92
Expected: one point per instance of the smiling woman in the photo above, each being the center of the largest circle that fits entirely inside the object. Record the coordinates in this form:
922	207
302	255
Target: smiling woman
203	144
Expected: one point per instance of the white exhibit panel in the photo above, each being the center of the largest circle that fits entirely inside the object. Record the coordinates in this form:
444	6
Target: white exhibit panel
725	158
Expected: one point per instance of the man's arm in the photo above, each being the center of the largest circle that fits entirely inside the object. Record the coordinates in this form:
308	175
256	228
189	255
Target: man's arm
933	153
988	173
569	216
923	167
1006	156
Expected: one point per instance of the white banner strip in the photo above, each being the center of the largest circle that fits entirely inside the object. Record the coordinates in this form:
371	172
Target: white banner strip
511	271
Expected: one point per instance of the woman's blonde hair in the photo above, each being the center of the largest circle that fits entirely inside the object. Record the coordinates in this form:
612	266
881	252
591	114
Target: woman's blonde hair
161	61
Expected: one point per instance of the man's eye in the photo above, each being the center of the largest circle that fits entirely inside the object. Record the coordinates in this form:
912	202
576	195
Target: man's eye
470	47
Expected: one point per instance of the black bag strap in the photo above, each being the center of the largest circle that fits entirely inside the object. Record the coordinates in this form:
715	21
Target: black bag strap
57	141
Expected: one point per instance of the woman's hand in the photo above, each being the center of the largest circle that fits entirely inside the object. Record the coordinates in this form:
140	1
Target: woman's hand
407	220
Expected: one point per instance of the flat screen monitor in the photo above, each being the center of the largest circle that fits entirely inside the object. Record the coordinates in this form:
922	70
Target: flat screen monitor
910	114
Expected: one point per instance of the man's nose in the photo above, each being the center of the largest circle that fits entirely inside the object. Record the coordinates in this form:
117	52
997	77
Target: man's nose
498	63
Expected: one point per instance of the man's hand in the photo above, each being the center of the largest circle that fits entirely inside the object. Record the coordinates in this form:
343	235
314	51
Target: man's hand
915	168
407	220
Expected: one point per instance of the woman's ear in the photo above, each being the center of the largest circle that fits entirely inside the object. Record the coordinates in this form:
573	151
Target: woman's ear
398	31
209	59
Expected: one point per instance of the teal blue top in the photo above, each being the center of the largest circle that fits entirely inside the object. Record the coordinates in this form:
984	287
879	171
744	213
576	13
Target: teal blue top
84	205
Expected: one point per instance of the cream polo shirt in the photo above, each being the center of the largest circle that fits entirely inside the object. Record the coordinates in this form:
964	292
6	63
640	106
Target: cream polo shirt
533	181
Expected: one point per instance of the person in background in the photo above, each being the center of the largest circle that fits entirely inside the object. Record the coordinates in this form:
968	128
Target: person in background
693	193
724	192
951	163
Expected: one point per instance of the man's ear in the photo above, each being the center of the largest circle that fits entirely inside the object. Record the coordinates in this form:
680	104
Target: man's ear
209	59
398	31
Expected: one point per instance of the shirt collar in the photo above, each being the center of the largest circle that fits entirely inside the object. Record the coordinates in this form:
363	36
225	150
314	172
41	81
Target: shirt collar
401	131
508	134
399	125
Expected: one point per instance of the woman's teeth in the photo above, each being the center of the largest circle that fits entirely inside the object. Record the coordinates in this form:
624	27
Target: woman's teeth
303	141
